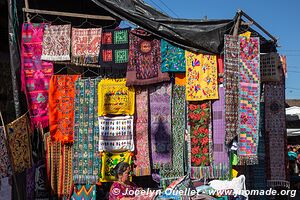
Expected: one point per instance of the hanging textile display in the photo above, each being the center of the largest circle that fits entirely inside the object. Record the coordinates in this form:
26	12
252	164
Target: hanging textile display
65	176
30	182
61	107
160	116
249	99
18	137
144	60
173	58
116	134
35	73
84	192
86	157
275	127
202	77
56	42
231	81
5	163
110	161
142	155
115	98
180	79
114	48
220	60
86	45
41	189
270	67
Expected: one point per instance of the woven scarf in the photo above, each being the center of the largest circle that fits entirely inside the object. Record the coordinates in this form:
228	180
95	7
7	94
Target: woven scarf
202	77
144	60
86	45
5	165
18	137
86	158
231	81
270	67
116	134
110	161
275	127
61	107
160	117
84	192
173	58
114	48
65	174
115	98
56	42
35	73
249	99
142	155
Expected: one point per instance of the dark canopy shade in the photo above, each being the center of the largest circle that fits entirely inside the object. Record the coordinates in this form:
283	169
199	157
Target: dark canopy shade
194	35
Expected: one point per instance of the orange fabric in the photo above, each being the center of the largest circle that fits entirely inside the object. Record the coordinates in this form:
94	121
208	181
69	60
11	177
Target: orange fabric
180	79
61	107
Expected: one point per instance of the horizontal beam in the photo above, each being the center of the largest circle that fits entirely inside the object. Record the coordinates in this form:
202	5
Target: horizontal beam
68	14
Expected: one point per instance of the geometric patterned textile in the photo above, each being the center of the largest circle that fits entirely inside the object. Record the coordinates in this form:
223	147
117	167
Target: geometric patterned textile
144	65
18	137
116	134
275	127
35	73
270	67
56	42
86	158
5	165
231	81
65	175
84	192
249	99
114	48
142	155
61	107
86	45
173	59
201	77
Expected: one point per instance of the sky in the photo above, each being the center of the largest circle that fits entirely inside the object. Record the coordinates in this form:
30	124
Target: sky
278	17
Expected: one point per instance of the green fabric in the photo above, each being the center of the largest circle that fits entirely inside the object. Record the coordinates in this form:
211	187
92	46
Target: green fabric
235	159
173	58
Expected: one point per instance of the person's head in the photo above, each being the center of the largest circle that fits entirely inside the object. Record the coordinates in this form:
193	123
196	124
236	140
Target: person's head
122	171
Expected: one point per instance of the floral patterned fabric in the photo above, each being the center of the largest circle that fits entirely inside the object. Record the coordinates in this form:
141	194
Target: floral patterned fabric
86	45
61	104
56	42
35	73
84	192
173	58
18	137
115	98
144	60
5	164
202	77
110	161
86	157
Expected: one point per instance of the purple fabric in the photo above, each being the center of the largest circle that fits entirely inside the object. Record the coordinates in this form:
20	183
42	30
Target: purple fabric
160	112
219	153
30	182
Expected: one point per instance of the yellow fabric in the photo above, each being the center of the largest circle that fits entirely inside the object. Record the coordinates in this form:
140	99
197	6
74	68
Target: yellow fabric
201	77
246	34
234	173
180	79
110	161
115	98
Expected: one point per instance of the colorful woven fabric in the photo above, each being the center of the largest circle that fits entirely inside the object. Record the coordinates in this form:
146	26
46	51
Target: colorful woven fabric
142	155
115	98
86	158
144	60
231	80
199	119
56	42
61	104
249	99
18	137
202	77
5	164
65	175
160	116
270	67
114	48
35	73
84	192
173	58
116	134
275	127
180	79
86	45
110	161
